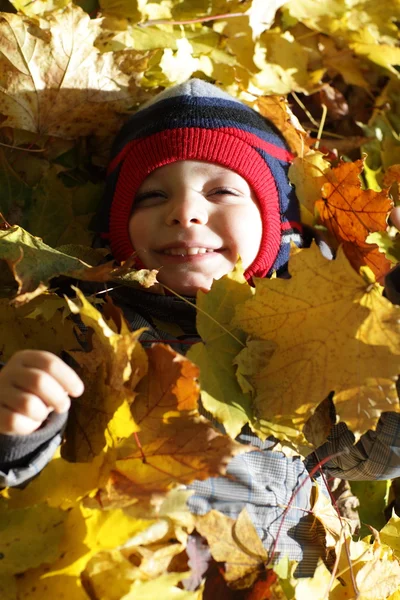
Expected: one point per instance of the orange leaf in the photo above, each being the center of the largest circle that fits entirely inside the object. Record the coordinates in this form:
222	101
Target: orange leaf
175	444
351	214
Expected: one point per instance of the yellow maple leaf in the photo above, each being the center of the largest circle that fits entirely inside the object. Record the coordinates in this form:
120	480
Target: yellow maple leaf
111	371
307	175
29	536
20	333
56	81
74	481
39	7
235	543
163	587
86	532
333	331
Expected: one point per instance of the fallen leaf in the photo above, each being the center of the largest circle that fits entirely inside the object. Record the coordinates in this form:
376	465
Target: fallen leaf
110	371
56	82
199	560
334	331
33	264
163	587
351	213
221	341
307	175
387	244
235	543
174	444
29	536
276	109
18	332
317	428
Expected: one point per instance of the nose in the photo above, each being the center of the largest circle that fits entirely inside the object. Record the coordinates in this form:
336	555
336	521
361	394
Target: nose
187	208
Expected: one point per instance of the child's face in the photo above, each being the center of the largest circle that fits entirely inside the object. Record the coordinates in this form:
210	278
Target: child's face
192	220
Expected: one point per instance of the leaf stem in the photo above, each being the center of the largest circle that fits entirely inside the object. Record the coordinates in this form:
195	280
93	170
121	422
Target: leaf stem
321	125
302	105
204	19
23	149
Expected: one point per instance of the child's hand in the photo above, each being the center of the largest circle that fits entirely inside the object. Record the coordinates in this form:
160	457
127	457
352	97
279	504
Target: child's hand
32	384
395	217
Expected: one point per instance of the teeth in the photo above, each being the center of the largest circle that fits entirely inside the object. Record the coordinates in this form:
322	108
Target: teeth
186	251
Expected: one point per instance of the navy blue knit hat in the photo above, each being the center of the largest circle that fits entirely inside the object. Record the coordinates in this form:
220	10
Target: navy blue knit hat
198	121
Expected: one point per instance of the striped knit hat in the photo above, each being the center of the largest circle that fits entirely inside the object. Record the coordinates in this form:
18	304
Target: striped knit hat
198	121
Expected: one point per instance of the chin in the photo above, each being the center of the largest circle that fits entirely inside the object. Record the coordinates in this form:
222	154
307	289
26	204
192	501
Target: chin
189	288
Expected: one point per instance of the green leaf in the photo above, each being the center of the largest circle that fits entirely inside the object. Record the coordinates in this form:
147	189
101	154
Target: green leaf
221	394
389	246
34	263
372	511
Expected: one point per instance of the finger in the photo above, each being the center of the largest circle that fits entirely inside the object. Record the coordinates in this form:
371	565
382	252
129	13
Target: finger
45	387
27	405
13	423
56	367
395	217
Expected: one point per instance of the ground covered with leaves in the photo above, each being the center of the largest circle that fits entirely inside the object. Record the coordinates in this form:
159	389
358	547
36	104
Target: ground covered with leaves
107	518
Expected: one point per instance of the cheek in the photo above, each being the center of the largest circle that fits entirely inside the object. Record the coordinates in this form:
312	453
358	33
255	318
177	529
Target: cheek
248	236
138	231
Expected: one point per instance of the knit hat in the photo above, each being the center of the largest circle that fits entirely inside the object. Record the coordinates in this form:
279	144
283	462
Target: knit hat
198	121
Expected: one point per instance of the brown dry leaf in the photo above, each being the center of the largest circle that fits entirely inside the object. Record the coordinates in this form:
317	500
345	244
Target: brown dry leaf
110	372
174	444
54	80
276	109
235	543
319	425
333	331
351	214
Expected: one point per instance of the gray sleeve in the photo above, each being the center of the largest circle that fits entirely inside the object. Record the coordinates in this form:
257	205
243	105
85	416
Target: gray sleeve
22	457
375	456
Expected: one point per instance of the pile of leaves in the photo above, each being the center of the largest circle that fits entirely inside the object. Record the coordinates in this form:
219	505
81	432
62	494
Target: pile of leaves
107	518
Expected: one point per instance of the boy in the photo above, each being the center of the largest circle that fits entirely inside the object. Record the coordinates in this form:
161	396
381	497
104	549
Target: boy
196	179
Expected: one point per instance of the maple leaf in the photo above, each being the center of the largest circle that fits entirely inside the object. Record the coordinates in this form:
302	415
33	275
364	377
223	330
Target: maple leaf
367	570
262	15
273	51
307	175
333	331
112	369
164	587
33	9
74	482
174	444
388	245
57	82
29	536
235	543
33	264
221	341
19	332
87	532
276	109
351	213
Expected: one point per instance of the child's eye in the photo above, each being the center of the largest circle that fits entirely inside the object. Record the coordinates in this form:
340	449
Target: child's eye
149	198
223	192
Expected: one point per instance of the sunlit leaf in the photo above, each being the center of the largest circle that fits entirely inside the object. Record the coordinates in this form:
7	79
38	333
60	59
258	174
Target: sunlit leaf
346	340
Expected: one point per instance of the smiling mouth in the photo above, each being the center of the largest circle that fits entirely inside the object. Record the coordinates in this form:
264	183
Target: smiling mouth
187	251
